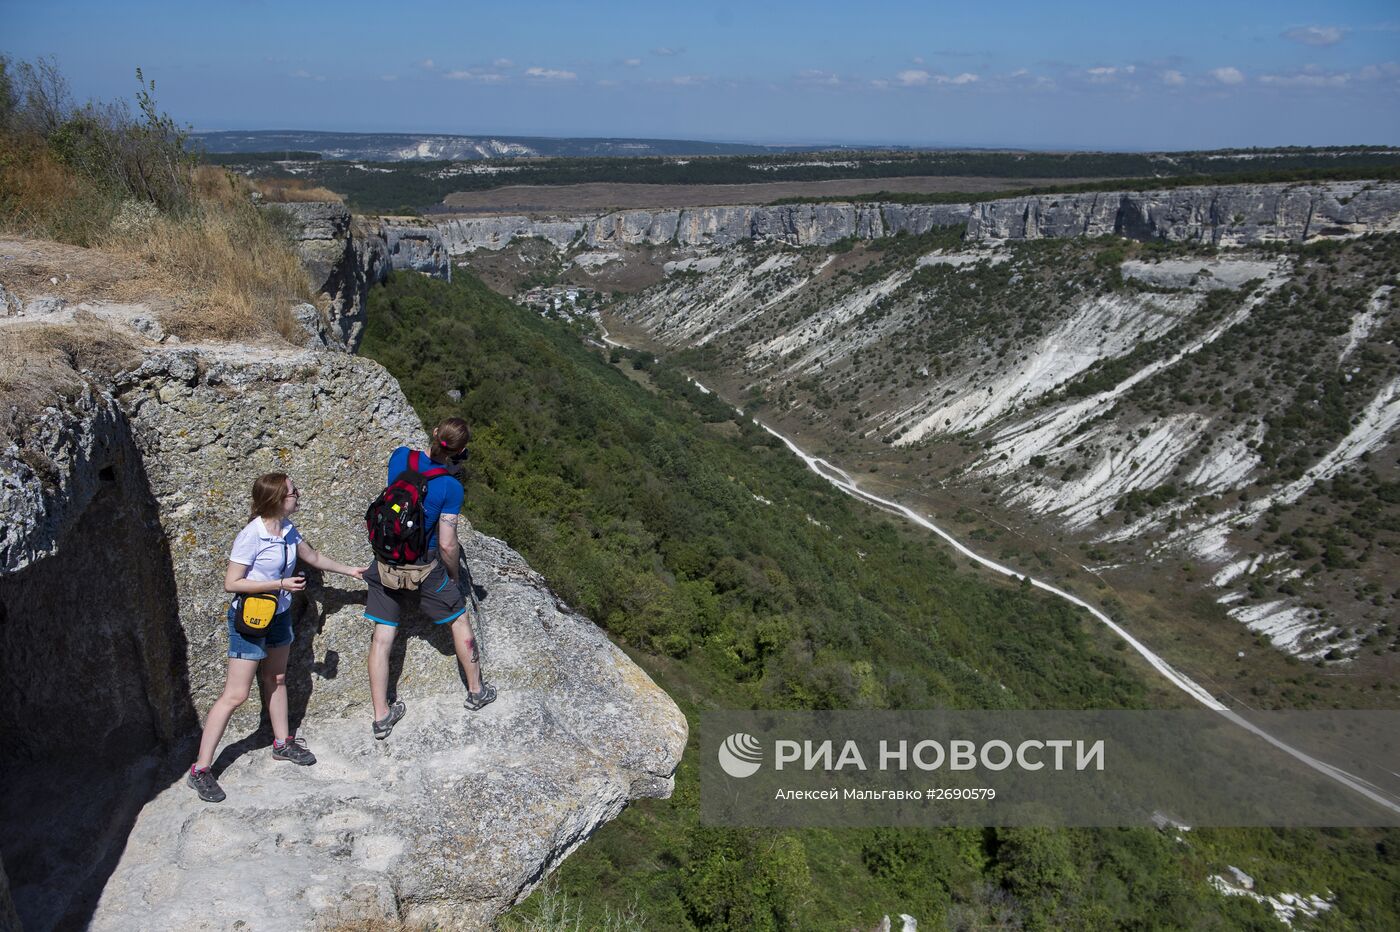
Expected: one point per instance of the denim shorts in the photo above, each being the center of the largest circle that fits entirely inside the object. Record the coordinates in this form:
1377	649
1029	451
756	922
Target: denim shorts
279	634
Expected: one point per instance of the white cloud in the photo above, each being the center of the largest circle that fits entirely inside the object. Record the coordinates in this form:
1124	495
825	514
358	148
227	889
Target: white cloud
1104	74
550	74
666	51
689	80
1315	35
481	77
607	82
918	59
814	76
1173	78
503	63
427	64
1228	75
1387	69
1305	79
879	84
1020	73
303	74
631	62
916	77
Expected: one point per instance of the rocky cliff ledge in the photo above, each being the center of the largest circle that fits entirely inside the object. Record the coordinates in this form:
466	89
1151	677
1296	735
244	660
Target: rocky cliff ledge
793	224
1224	215
345	256
124	492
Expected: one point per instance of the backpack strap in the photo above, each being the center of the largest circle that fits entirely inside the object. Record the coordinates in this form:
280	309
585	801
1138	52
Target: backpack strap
415	460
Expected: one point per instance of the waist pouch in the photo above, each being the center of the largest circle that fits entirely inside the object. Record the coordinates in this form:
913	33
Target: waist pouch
404	577
253	614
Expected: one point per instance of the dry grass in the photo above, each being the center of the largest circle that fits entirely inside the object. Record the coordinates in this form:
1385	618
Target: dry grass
29	267
288	190
214	185
40	364
40	197
230	273
226	269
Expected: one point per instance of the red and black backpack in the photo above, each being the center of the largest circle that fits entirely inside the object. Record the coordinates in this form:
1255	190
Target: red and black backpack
397	522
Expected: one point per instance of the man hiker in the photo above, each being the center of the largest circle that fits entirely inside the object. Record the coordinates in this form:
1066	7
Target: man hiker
413	530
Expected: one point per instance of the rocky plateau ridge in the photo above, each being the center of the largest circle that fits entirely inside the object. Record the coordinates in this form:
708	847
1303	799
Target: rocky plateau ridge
1221	215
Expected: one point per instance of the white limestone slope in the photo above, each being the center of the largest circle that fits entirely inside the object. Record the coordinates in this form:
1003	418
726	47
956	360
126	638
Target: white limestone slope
1365	322
1288	625
822	330
1013	446
719	292
1210	274
1100	327
1147	463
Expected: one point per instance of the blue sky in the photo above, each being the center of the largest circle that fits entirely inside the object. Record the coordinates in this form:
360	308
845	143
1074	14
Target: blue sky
1065	74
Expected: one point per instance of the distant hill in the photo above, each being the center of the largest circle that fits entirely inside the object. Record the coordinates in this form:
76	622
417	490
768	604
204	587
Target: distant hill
409	173
394	147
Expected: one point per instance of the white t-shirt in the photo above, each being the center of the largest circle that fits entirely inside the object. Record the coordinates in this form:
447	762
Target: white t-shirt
268	556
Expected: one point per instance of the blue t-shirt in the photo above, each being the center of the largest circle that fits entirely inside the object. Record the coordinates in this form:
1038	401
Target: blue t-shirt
444	496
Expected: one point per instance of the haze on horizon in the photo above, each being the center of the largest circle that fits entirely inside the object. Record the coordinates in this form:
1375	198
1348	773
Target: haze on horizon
1074	75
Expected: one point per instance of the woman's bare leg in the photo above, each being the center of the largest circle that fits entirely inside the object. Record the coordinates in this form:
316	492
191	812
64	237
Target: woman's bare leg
273	680
237	686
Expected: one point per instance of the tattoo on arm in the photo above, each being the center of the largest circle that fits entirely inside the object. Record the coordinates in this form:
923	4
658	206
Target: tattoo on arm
448	544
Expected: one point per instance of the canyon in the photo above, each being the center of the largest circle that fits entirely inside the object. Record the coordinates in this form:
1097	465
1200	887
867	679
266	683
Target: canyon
1122	371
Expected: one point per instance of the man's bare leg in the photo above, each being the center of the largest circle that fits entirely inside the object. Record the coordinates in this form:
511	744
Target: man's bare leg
379	647
464	643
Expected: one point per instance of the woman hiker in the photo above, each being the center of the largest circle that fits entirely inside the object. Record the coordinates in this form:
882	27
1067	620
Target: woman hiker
263	560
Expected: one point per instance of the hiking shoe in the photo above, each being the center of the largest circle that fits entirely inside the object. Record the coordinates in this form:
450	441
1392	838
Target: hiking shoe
205	785
294	750
482	699
387	723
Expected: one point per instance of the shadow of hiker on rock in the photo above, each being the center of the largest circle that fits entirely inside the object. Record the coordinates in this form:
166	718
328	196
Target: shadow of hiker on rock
312	609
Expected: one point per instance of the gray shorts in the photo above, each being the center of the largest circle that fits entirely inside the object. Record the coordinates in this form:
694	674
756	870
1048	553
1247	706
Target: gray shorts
438	597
